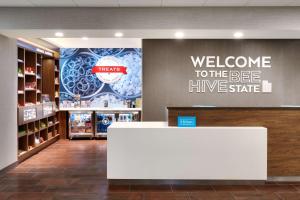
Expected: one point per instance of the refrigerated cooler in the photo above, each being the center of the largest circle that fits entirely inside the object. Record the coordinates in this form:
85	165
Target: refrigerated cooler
104	120
81	125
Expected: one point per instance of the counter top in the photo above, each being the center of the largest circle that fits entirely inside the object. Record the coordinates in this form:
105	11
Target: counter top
164	125
214	107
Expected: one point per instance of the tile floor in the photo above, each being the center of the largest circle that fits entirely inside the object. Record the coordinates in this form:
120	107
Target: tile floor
77	170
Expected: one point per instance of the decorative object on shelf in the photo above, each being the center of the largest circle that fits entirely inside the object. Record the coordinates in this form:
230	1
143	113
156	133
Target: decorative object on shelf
43	125
45	98
30	85
36	141
56	80
42	140
20	72
29	104
29	70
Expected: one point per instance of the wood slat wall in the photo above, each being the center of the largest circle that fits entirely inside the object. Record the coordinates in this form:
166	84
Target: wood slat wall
283	131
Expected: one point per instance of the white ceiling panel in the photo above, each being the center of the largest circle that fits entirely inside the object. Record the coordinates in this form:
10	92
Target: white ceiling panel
295	3
140	3
225	3
97	3
96	42
269	2
144	3
180	3
23	3
53	3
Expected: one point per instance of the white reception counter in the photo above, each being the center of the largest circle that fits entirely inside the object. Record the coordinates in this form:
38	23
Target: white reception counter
153	150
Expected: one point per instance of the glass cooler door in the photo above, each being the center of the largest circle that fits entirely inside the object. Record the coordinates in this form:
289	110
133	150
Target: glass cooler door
80	124
103	121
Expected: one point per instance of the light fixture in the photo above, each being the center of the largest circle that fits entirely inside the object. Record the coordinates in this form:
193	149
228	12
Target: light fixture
59	34
84	38
238	35
119	34
179	35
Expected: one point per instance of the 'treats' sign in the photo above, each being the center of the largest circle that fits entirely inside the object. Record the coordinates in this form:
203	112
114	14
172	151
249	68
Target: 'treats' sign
109	69
232	75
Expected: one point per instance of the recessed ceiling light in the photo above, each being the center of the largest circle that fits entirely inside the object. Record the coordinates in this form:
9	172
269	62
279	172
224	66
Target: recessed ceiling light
119	34
59	34
84	38
238	34
179	35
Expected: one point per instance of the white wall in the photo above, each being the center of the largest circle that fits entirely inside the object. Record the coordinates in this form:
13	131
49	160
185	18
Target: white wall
8	101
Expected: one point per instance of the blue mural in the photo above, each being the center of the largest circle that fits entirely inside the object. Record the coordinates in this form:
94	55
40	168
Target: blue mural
76	76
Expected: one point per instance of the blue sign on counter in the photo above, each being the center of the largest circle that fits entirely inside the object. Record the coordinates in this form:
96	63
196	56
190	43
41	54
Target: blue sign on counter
186	121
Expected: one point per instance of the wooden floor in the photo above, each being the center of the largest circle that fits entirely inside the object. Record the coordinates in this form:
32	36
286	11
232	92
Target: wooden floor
77	170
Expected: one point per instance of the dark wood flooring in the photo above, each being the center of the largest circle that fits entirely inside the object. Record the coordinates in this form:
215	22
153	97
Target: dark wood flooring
77	170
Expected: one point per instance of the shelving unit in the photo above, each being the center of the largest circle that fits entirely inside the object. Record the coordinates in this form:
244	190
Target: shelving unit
36	130
56	82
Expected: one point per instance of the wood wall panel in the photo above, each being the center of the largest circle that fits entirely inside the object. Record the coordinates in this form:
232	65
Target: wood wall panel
283	131
63	125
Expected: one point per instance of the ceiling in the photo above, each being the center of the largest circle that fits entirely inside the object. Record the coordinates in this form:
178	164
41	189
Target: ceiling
144	3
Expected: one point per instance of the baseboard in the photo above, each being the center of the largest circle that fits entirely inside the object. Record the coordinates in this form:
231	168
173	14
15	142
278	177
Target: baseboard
184	182
284	179
8	168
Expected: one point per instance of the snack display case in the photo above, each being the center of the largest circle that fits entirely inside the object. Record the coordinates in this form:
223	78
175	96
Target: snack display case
81	124
105	119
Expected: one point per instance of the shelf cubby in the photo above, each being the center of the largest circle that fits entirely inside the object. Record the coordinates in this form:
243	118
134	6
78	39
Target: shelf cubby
37	139
22	130
30	60
36	126
30	128
31	143
22	145
43	123
51	121
30	97
39	60
43	135
51	132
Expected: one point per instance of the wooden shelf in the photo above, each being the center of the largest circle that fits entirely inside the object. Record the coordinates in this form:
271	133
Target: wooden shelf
30	74
20	61
36	70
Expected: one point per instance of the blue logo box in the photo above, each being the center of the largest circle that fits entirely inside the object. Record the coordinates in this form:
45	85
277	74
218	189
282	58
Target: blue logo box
186	121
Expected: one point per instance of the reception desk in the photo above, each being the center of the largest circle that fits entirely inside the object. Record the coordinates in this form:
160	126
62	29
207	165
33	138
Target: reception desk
282	124
154	150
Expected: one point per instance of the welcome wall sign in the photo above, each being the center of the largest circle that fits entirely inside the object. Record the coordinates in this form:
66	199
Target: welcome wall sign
230	75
